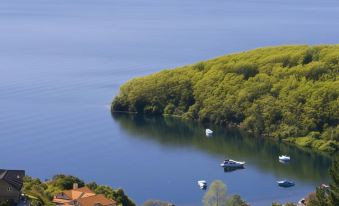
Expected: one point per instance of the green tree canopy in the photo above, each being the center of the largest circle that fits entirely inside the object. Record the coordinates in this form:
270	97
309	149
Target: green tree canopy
324	196
290	93
334	186
216	194
43	192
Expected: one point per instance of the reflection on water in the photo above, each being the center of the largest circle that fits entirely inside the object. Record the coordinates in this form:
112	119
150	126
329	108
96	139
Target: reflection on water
232	169
232	143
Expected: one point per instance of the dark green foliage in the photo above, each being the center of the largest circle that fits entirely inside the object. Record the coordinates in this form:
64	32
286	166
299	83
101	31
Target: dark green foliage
65	182
319	198
289	93
39	190
156	203
43	192
118	194
334	186
235	200
324	196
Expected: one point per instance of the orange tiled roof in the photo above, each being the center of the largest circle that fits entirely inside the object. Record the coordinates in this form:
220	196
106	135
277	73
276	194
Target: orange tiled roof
84	196
77	193
84	190
93	200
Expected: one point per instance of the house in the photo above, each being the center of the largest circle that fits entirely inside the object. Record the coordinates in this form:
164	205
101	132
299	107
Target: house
11	182
81	197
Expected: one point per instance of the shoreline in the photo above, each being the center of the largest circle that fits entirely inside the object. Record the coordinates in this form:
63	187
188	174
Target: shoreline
234	126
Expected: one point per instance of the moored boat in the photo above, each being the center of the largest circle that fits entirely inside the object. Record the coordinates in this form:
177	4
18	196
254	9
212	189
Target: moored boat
284	158
228	163
209	132
285	183
202	184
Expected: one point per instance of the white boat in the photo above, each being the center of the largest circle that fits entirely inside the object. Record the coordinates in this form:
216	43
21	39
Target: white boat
202	184
228	163
284	158
209	132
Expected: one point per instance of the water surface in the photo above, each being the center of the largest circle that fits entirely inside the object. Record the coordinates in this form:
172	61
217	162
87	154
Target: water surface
62	61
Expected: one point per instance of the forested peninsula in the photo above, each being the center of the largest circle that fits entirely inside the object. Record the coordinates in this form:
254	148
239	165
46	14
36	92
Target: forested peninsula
289	93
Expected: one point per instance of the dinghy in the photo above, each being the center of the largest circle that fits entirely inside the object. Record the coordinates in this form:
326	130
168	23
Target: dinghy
209	132
202	184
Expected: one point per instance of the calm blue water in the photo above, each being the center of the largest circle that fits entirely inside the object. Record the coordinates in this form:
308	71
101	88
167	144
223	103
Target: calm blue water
62	62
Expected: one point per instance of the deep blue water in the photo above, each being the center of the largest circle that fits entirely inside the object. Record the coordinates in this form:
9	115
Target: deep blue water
62	62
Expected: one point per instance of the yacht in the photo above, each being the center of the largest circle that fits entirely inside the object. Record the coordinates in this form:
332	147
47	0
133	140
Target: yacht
228	163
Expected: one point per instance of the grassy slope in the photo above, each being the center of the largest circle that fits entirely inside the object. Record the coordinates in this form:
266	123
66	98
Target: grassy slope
287	92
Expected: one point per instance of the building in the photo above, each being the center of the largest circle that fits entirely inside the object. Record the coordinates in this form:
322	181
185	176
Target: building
81	197
11	182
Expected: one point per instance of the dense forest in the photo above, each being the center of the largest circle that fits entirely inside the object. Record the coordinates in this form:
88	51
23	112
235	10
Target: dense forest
289	93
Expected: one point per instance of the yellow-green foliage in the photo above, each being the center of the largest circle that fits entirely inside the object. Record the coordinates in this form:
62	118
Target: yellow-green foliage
41	193
282	92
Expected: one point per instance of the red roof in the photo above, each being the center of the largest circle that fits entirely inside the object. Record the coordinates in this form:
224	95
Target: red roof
84	196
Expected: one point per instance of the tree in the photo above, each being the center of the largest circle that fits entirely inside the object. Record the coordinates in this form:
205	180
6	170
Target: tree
313	200
324	197
156	203
65	182
334	186
118	194
235	200
288	93
216	194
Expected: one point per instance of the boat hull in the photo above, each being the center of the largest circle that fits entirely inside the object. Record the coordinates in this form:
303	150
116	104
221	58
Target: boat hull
284	158
202	184
285	184
209	132
232	166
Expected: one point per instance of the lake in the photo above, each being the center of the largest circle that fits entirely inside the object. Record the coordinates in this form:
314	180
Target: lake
62	62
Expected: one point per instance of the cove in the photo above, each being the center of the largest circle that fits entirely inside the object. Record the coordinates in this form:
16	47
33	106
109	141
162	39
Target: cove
256	181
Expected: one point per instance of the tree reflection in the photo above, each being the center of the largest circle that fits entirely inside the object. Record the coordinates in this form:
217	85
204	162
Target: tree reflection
258	152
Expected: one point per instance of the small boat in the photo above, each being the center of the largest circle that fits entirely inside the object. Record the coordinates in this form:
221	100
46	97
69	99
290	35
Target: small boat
202	184
228	163
209	132
301	202
284	158
285	183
